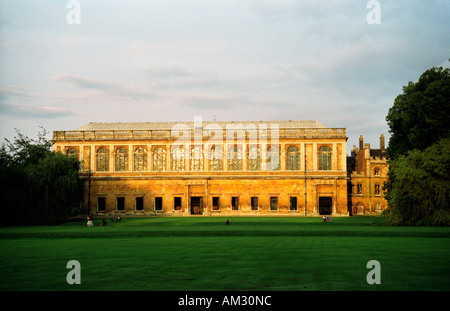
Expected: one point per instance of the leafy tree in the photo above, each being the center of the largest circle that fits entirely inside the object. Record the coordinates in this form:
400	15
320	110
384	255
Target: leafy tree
421	192
421	115
419	122
38	186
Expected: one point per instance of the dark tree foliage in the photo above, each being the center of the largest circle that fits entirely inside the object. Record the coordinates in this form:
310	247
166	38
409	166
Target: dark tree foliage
39	187
420	194
421	115
419	122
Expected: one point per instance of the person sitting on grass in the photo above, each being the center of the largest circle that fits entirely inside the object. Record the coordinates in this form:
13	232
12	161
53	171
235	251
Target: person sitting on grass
89	222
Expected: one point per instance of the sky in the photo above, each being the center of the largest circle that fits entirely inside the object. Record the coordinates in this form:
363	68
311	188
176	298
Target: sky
341	63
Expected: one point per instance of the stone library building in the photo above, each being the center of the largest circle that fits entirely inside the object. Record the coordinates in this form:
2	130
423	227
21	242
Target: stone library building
222	168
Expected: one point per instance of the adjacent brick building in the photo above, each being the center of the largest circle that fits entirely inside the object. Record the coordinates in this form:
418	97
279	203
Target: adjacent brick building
368	171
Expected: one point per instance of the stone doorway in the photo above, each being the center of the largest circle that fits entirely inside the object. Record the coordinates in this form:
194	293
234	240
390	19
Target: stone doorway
325	205
196	205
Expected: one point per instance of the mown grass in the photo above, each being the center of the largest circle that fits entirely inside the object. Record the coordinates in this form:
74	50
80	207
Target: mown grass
202	253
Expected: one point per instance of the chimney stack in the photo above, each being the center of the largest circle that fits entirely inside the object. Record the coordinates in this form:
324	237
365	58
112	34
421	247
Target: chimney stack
382	143
361	143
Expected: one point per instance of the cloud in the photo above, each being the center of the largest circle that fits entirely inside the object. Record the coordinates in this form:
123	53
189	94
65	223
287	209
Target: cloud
38	112
109	89
16	91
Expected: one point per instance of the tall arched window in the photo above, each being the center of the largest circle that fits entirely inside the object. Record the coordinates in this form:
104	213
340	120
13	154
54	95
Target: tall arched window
325	158
102	159
178	159
159	159
197	158
140	159
292	159
273	158
254	159
216	158
121	159
235	159
72	152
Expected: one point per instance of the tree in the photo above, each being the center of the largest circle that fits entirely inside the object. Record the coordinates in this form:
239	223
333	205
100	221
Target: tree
420	194
421	115
418	151
38	186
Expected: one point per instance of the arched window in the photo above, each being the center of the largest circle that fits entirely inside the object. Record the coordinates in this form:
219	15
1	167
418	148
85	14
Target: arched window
324	158
197	159
376	171
178	159
121	159
216	158
273	158
254	159
140	159
159	159
102	159
292	159
72	152
235	159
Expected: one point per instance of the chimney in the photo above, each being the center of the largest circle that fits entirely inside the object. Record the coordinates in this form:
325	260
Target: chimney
360	157
382	143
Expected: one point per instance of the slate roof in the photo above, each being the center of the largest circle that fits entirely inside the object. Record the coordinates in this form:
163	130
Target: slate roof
143	126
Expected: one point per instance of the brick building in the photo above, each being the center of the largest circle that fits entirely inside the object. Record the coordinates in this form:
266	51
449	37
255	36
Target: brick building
211	168
367	171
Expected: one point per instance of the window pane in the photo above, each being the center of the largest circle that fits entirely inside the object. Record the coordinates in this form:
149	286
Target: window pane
121	159
72	152
158	204
273	203
177	203
235	159
139	203
159	159
140	159
102	159
120	204
197	159
215	203
216	158
273	158
178	159
235	203
293	203
292	159
254	159
324	158
254	203
101	204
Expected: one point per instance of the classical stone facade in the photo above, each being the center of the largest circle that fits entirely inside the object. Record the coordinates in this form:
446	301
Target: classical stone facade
368	171
210	168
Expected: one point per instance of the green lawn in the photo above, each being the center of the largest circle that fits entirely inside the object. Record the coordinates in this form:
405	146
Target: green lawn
202	253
